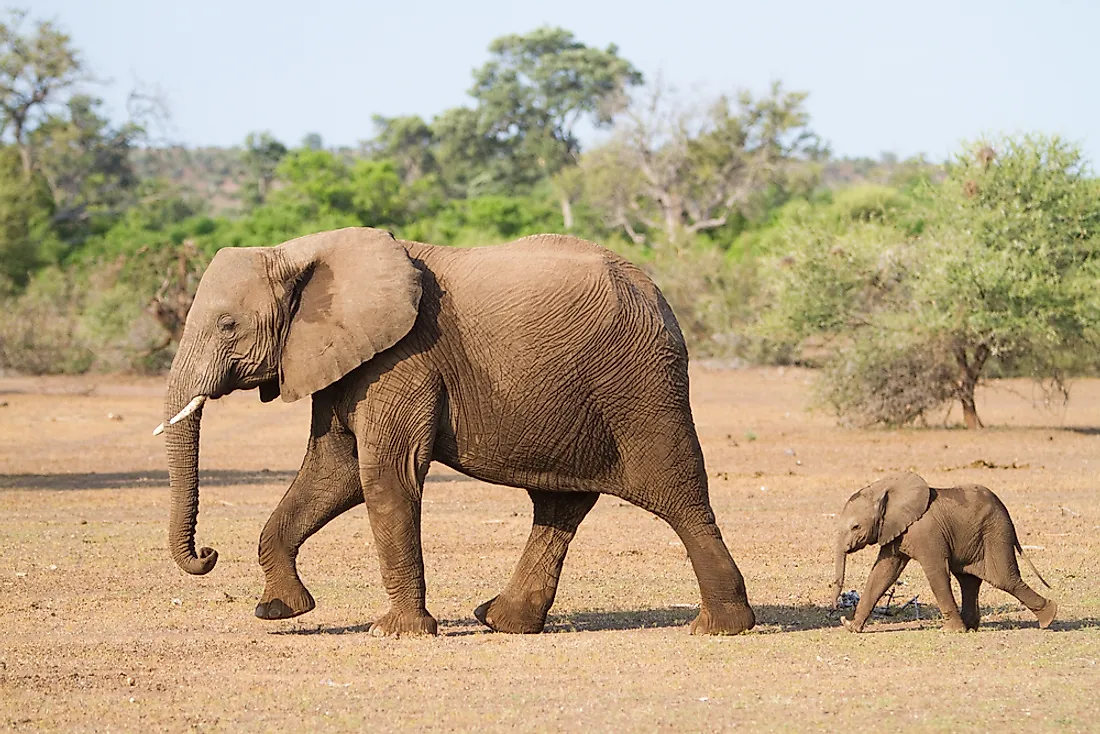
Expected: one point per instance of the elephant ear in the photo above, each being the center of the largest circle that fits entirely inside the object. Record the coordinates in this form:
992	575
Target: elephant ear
354	293
904	498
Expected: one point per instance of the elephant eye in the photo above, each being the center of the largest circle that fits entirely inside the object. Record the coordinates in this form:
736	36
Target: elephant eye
227	324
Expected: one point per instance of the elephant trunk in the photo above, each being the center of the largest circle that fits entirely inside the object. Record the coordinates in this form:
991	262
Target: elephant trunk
182	442
841	563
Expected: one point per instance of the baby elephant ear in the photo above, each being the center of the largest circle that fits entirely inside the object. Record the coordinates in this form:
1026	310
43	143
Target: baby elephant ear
905	498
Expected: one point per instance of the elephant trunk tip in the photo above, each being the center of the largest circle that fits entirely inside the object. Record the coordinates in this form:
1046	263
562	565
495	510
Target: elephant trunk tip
199	565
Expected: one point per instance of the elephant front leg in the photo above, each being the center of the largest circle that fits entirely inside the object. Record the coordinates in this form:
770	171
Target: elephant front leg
326	486
525	601
884	574
394	509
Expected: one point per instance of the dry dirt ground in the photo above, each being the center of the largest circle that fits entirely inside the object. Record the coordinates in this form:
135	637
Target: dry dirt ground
100	631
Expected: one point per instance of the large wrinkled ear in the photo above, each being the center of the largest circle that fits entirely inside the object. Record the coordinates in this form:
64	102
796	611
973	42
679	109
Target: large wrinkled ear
355	293
901	501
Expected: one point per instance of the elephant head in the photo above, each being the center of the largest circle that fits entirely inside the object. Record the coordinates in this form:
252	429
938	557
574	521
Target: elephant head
878	513
288	320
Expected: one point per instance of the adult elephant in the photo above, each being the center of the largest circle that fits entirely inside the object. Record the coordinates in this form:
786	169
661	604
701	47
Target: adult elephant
549	364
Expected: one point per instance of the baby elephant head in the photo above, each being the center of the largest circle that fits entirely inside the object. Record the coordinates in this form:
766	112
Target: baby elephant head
878	513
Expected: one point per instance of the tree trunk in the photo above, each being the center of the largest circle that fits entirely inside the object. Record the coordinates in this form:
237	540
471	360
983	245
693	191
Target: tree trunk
25	154
970	410
24	147
970	370
567	213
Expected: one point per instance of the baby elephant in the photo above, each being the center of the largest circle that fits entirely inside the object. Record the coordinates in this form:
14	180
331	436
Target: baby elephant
964	531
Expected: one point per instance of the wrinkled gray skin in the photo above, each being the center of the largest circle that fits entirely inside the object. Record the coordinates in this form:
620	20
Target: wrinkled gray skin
962	531
548	364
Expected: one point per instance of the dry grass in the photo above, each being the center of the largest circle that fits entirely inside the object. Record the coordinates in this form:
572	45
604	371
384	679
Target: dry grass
99	630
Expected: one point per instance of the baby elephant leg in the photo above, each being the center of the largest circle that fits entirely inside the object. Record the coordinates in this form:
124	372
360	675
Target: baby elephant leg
1003	572
888	567
935	569
970	585
1044	609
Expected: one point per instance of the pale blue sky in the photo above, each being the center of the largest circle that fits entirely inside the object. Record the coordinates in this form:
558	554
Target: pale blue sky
903	77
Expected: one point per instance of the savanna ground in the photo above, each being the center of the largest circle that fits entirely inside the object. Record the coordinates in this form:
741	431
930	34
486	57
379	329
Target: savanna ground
100	631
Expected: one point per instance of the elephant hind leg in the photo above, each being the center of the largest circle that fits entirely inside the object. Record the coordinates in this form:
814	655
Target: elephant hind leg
724	609
969	585
684	504
326	486
1044	609
523	604
1003	572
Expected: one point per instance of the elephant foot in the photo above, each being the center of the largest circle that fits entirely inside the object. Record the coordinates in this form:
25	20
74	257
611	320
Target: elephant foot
851	625
954	624
277	605
405	624
723	619
1047	613
501	615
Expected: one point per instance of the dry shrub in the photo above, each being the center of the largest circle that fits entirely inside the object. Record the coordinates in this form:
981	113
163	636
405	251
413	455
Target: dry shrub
68	323
40	330
710	296
872	381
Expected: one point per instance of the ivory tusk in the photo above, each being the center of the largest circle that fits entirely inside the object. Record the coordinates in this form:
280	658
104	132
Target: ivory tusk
195	404
158	430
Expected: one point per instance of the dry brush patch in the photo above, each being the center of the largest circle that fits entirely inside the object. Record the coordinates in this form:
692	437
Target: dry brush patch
100	630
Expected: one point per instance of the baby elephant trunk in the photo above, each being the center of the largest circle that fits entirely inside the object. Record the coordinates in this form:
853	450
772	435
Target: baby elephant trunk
841	562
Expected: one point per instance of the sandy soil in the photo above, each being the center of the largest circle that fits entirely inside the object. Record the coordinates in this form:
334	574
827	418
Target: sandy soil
100	631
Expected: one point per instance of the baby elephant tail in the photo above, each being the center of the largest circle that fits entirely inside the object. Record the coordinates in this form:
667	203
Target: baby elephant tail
1020	550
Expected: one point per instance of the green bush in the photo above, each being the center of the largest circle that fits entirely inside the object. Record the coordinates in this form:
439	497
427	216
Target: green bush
710	293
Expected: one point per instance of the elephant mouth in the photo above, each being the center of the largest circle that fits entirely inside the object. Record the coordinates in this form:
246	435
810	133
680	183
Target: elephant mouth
188	410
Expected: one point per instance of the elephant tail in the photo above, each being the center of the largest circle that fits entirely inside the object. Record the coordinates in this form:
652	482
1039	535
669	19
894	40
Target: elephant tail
1020	550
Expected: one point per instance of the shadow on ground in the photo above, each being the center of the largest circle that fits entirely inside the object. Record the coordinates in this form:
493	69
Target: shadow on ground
770	619
131	480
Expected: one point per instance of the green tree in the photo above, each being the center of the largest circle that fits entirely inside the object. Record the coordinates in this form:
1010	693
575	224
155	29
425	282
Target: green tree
85	162
1020	285
36	69
686	170
26	211
261	156
1004	272
538	87
408	141
470	162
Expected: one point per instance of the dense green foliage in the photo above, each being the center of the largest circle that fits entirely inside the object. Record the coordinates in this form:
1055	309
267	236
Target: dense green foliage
911	300
907	281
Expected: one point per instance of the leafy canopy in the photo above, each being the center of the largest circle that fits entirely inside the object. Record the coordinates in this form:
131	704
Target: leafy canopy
1002	270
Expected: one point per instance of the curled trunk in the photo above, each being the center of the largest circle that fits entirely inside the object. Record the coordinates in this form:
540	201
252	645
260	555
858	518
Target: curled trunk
182	441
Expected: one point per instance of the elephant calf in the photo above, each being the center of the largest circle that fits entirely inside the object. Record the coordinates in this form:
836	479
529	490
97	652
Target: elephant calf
963	531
